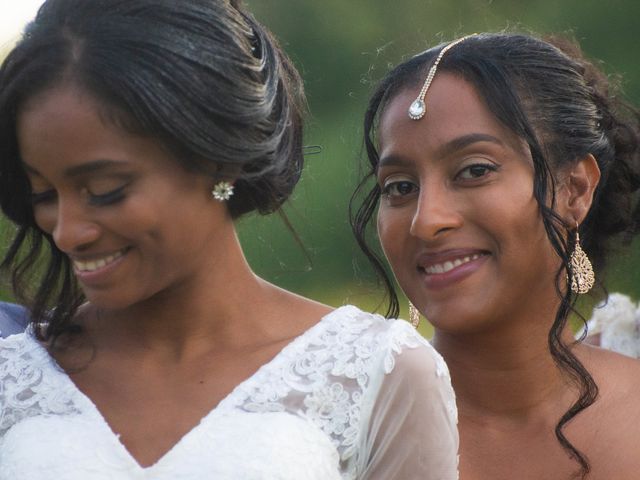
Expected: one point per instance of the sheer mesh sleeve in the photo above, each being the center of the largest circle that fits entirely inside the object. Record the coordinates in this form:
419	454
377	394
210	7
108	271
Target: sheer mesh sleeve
412	419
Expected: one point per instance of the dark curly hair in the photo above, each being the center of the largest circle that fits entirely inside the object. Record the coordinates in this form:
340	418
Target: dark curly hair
203	77
549	95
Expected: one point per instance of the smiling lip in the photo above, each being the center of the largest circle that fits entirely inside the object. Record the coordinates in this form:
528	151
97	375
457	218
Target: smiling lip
93	270
442	269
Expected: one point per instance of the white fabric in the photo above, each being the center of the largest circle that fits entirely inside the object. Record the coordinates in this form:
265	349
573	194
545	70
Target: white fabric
13	319
355	397
618	323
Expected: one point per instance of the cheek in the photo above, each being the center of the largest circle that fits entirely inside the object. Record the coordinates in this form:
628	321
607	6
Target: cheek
512	213
383	232
393	231
45	217
522	240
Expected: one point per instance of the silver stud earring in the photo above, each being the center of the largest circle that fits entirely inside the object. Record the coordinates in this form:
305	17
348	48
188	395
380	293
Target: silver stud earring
222	191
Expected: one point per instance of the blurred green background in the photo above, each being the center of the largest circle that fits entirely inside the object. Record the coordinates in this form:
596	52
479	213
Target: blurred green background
342	48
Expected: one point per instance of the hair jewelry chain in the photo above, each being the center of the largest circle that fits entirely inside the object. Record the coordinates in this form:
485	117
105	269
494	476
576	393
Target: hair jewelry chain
418	108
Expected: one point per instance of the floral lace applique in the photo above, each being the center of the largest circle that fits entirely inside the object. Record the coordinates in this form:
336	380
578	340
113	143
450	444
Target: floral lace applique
24	389
324	377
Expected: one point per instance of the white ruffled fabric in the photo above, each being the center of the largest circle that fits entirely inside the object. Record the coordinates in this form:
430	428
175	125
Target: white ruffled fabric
354	397
617	321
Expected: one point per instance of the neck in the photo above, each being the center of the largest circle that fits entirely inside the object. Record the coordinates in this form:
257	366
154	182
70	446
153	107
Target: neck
507	372
205	310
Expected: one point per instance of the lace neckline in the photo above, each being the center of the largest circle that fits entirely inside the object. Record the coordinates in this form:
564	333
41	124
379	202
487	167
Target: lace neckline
233	399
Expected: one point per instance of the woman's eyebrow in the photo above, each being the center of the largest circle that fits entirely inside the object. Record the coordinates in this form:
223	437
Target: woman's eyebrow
448	148
463	141
393	160
83	169
91	167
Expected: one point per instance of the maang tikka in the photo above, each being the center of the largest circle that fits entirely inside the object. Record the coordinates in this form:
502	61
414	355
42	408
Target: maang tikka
582	276
418	108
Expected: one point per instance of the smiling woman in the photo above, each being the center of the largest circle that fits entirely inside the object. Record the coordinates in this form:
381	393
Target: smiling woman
132	134
498	159
119	205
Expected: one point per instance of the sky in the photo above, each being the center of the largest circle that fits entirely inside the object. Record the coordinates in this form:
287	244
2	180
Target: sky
14	14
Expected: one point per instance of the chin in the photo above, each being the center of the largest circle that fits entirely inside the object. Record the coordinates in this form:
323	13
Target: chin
457	319
110	300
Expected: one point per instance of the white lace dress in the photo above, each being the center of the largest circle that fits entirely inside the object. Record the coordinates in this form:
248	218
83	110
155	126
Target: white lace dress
617	323
354	397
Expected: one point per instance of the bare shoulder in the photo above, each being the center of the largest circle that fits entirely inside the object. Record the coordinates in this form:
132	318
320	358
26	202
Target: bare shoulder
612	424
617	376
610	366
303	309
286	312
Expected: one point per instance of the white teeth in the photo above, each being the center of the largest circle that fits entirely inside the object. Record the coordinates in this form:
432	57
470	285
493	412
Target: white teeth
93	265
450	265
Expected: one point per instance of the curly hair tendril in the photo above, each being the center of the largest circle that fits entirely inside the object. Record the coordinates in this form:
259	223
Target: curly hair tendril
549	95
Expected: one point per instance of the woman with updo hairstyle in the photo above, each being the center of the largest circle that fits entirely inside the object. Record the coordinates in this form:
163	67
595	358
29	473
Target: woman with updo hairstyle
506	169
132	134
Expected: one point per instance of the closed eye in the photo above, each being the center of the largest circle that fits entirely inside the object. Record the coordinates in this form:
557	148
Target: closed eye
108	198
46	196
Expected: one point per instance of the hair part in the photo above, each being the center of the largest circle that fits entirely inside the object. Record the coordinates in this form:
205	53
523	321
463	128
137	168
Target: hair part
549	95
202	77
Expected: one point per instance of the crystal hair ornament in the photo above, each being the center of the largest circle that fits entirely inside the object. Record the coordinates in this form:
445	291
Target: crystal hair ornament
418	108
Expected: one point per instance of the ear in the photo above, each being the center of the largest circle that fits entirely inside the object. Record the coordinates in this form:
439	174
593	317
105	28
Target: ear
228	171
579	184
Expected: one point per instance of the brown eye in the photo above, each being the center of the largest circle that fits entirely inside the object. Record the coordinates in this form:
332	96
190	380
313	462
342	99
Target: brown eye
475	171
399	188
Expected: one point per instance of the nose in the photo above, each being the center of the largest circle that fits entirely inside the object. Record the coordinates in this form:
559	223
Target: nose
437	212
74	229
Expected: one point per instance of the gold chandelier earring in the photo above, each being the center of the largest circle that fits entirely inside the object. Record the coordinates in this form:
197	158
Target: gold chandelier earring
414	315
582	276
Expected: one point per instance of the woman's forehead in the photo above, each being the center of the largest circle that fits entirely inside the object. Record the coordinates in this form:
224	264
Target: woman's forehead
454	109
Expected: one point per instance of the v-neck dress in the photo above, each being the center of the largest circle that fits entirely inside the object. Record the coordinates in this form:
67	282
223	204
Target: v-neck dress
354	397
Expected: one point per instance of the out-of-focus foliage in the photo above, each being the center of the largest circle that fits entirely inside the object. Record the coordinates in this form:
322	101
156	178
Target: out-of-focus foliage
342	47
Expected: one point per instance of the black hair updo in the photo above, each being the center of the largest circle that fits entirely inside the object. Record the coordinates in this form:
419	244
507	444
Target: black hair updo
202	77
